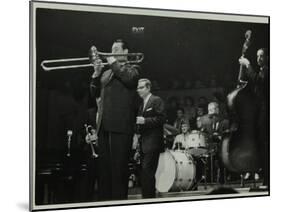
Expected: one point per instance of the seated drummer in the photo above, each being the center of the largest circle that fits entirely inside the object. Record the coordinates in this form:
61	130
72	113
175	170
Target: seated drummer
180	141
180	118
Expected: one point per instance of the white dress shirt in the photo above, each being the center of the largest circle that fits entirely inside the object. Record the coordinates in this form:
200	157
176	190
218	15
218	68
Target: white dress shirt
146	100
181	138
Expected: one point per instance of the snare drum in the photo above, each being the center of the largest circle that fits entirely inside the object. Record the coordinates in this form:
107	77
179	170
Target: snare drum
196	143
175	172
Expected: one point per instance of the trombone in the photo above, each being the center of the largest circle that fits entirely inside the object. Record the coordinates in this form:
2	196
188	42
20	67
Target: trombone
46	64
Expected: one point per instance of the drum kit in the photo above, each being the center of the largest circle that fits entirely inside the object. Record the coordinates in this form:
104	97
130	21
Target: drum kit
178	169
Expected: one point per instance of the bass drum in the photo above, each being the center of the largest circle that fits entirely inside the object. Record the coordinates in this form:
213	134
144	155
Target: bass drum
176	171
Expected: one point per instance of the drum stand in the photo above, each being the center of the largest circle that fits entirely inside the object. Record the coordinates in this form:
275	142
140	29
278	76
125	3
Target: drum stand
242	183
204	175
212	167
215	165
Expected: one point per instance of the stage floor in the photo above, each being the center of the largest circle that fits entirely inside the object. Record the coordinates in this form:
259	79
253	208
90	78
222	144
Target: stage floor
206	189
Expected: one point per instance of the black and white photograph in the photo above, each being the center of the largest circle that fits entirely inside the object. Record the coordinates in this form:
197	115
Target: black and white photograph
133	105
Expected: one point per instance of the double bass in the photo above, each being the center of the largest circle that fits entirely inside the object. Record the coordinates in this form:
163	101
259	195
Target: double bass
240	147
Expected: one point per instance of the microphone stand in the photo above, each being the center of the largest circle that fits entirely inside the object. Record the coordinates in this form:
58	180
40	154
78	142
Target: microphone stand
69	134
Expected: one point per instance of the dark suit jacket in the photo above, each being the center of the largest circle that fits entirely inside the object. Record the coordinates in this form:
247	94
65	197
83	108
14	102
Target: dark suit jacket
258	82
213	124
152	131
117	89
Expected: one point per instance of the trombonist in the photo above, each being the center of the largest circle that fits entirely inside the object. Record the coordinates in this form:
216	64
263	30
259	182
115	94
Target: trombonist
115	90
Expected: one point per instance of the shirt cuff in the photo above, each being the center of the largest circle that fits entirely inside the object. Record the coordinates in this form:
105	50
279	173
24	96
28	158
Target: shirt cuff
111	60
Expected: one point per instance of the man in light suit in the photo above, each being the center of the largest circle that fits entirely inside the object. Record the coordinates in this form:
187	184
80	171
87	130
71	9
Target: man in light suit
115	89
150	122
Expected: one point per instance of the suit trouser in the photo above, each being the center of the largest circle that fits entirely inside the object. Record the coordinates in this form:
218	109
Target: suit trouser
149	162
113	159
263	137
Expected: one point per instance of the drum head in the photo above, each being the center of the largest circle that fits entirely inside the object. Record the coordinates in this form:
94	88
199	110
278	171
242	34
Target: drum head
196	142
166	172
197	152
185	171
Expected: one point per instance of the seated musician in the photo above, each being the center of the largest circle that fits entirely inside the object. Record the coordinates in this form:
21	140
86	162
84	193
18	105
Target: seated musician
180	118
213	123
215	126
180	141
200	111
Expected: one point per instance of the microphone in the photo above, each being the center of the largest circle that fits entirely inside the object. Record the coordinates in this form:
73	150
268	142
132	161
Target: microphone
69	134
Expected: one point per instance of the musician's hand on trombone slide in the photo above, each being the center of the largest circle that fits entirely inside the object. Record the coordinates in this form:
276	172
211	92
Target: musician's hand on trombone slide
98	66
96	61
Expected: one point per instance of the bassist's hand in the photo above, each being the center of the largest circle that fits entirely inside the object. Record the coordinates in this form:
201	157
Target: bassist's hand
244	62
